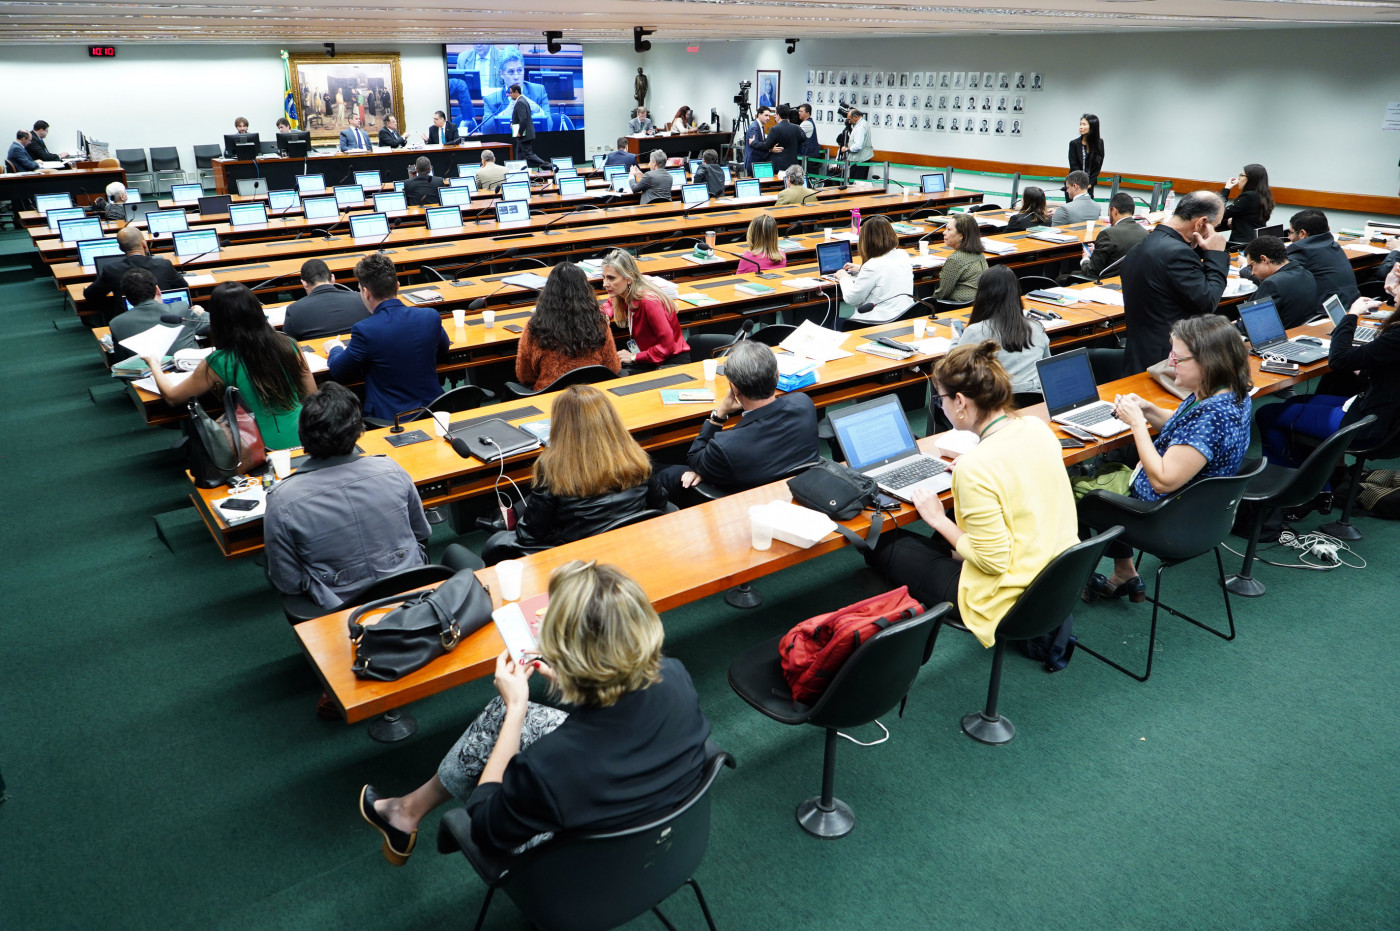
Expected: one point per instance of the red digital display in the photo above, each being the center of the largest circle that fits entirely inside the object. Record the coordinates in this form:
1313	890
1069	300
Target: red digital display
102	51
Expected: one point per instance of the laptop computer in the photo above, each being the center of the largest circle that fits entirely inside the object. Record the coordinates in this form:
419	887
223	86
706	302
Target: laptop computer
1067	381
247	215
1335	311
1268	338
512	212
878	442
832	257
747	190
443	218
454	196
167	221
572	187
762	170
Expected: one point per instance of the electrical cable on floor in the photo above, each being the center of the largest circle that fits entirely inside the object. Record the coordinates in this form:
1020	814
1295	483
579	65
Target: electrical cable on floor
871	743
1326	551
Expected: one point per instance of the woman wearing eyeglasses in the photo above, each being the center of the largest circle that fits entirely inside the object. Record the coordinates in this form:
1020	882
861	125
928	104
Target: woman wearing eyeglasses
1206	436
629	749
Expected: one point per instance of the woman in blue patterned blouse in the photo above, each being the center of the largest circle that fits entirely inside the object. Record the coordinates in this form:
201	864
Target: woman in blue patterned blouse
1207	435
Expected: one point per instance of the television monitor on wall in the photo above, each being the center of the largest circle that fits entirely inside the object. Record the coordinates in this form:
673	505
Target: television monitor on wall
479	75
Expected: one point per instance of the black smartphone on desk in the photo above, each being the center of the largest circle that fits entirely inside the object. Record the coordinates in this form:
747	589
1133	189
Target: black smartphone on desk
1069	442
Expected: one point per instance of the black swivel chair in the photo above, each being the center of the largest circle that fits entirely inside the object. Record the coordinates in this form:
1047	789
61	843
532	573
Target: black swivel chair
1388	448
1046	603
1176	529
454	401
165	164
138	171
1031	283
1282	487
773	333
874	679
585	881
583	375
516	550
204	156
1109	271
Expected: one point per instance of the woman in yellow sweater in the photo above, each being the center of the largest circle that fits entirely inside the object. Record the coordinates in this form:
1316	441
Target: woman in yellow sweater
1013	508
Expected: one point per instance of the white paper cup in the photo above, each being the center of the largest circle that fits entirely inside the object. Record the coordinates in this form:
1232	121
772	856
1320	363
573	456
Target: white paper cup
827	233
1089	229
459	318
440	422
488	317
711	368
509	573
281	460
923	247
920	328
760	527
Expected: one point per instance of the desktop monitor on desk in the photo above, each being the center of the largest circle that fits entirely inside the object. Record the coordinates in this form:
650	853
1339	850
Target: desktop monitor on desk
563	163
186	193
572	187
196	243
214	206
348	195
387	202
369	226
515	190
762	170
934	183
78	229
90	249
368	179
512	212
311	184
58	215
456	196
167	221
295	144
46	202
320	208
443	218
247	215
243	146
692	194
281	202
179	296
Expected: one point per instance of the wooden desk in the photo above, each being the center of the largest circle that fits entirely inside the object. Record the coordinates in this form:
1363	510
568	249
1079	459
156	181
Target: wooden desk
707	550
85	184
282	172
686	145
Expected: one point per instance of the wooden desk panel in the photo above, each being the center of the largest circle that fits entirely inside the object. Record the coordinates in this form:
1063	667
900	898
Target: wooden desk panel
283	171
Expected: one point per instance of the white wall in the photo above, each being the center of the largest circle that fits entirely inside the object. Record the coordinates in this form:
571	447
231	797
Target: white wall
1194	104
180	95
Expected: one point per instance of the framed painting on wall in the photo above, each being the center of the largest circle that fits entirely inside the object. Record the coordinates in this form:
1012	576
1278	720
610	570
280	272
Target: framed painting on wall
770	86
331	90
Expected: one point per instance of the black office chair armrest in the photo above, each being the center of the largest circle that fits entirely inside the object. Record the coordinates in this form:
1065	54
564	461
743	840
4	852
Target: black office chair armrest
1103	509
709	492
519	390
300	608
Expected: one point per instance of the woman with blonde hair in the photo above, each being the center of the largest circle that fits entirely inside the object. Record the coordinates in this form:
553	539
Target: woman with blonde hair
591	475
1013	510
761	250
884	277
645	312
631	747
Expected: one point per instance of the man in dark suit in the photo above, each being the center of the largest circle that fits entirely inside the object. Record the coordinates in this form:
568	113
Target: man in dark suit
1177	271
442	132
1113	243
389	134
37	149
395	350
105	291
497	107
620	155
522	126
422	188
1287	283
656	183
1311	245
783	142
147	308
775	436
353	137
328	309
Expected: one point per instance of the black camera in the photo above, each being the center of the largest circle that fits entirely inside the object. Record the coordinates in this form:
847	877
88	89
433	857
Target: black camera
844	110
742	98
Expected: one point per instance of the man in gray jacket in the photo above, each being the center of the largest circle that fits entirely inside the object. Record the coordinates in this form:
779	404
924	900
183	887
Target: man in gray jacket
1114	242
1078	205
140	288
656	183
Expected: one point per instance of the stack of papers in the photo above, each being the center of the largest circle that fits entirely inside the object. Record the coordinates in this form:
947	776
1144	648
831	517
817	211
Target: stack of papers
697	298
424	296
1234	287
934	345
661	284
195	281
803	284
153	342
315	363
1099	295
187	360
526	280
928	261
999	248
956	442
814	342
276	315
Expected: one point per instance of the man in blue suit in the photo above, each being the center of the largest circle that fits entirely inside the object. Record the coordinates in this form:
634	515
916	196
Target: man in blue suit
498	105
395	350
354	137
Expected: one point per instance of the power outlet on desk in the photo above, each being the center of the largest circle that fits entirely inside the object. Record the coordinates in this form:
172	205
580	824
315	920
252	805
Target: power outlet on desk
461	357
434	489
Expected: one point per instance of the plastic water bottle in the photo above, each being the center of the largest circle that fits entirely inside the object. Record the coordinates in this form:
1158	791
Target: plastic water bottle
855	220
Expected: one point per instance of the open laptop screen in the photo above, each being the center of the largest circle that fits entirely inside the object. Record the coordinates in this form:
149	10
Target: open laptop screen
762	170
873	433
167	221
516	177
1067	381
246	214
320	208
613	171
517	164
746	189
311	184
563	173
692	194
349	194
444	218
512	211
563	162
517	190
46	202
1261	322
368	179
90	249
366	225
455	196
833	256
569	187
283	201
384	202
598	162
1333	305
467	171
191	244
79	229
186	193
58	215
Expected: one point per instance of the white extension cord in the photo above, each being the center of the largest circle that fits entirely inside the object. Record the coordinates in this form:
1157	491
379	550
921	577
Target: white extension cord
1316	551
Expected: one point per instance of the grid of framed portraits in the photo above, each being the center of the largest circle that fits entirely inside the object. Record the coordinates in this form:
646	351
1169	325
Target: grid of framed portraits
992	103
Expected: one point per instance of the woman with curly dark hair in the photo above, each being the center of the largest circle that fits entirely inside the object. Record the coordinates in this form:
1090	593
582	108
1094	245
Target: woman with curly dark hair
565	332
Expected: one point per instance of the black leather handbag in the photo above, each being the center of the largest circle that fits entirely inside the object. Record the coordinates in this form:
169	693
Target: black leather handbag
424	626
840	493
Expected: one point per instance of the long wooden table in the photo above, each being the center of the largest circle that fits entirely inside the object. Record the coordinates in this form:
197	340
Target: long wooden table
678	146
282	172
85	184
676	558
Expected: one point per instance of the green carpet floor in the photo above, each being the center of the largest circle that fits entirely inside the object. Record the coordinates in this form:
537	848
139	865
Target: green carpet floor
164	766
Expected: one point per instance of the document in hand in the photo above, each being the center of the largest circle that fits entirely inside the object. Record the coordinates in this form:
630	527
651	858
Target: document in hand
153	342
815	342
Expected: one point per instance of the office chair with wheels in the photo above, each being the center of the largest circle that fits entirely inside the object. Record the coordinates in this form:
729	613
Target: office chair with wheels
1374	288
1025	399
872	681
581	881
713	345
583	375
1388	448
1176	529
949	307
1044	605
1282	487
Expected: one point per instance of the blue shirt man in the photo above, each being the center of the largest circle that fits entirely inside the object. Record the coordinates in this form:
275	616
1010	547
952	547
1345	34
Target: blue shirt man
498	105
354	137
395	349
18	156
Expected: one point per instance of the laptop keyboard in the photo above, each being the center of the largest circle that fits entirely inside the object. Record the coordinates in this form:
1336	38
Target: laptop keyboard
915	472
1289	346
1364	334
1087	416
